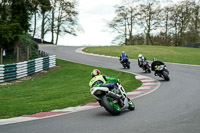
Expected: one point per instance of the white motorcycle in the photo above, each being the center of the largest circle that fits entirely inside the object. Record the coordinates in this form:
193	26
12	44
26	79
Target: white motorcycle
114	101
162	72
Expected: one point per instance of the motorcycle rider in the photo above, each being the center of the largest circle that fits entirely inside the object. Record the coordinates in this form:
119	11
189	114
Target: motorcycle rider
155	65
123	57
99	80
141	60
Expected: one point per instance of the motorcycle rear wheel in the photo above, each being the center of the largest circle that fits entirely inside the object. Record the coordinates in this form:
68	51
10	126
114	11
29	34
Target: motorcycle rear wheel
110	106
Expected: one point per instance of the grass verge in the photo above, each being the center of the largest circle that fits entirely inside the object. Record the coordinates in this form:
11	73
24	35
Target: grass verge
63	87
182	55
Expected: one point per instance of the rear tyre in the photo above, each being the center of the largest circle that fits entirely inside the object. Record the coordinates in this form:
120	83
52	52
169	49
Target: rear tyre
110	106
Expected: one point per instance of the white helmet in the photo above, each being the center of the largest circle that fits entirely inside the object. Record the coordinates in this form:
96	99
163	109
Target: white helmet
154	59
123	51
140	55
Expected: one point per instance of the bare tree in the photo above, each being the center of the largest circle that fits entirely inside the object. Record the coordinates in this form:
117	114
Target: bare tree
53	10
166	15
66	20
35	5
148	19
195	19
180	20
123	22
45	7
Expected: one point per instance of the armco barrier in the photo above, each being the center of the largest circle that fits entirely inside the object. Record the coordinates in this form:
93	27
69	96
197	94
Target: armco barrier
22	69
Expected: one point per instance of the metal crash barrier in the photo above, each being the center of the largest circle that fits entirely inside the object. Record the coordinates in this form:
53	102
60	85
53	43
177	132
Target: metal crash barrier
19	70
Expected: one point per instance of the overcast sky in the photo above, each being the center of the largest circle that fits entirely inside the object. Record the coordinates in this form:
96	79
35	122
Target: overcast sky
93	15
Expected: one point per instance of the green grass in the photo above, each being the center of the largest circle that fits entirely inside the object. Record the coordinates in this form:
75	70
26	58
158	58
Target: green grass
62	87
182	55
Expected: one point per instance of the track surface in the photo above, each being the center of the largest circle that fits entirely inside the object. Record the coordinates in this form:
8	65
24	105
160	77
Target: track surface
173	108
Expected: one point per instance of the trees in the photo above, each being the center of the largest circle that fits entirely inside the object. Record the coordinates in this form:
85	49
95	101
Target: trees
119	24
58	17
180	20
123	22
165	17
163	24
20	14
45	6
15	17
35	5
148	19
194	24
66	18
13	22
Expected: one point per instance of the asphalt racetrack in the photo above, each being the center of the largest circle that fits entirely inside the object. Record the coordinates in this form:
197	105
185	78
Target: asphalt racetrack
173	108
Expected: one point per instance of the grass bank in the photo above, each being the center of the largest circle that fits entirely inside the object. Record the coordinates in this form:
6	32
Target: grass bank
63	87
182	55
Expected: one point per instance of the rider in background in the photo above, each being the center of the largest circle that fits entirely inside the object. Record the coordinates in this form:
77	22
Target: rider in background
99	80
123	57
155	65
141	60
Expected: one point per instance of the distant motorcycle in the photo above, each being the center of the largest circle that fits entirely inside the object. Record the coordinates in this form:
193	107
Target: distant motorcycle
126	63
114	101
146	66
162	72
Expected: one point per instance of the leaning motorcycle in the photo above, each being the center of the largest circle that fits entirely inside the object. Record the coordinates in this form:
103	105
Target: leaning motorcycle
114	100
146	66
162	72
126	63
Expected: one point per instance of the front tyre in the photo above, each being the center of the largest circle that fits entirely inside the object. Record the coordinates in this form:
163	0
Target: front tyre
124	66
131	105
110	106
165	75
148	69
128	65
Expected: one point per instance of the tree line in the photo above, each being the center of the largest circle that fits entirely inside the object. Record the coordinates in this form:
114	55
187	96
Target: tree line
152	22
56	17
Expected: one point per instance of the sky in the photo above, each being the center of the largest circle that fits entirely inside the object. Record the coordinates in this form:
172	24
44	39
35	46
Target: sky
93	17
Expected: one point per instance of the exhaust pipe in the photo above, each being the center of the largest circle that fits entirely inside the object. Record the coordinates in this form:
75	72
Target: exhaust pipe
112	94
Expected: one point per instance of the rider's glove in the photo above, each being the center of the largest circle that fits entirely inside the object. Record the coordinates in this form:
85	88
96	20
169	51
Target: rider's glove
119	82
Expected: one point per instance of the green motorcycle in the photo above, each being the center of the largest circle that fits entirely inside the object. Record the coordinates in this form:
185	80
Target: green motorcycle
114	101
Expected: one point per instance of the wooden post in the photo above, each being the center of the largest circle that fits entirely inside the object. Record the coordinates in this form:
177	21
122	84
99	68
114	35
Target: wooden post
17	54
27	53
1	56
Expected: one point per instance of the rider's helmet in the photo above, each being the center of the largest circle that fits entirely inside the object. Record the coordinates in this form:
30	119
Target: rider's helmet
95	72
154	59
123	52
140	56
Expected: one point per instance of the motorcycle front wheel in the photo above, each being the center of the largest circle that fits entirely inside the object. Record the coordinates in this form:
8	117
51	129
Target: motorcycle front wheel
131	105
128	65
112	107
166	77
147	69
